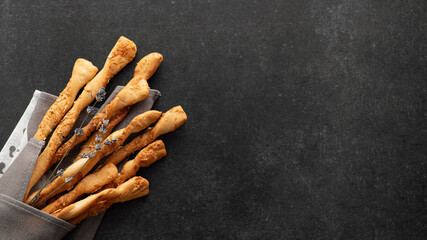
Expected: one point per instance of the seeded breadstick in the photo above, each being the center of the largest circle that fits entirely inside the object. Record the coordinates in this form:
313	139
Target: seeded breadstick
145	158
122	53
135	91
89	184
170	121
115	139
83	72
93	205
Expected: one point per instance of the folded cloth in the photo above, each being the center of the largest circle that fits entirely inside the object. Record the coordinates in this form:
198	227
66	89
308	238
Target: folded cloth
17	159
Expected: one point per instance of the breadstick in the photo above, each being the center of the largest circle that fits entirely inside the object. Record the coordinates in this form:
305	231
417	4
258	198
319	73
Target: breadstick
170	121
136	144
89	184
135	91
121	54
68	173
145	158
135	187
115	139
83	72
90	144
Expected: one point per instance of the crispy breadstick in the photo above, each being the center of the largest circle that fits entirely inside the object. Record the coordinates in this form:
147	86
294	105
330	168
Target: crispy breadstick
115	139
122	53
89	145
83	72
135	91
135	187
145	158
170	121
136	144
89	184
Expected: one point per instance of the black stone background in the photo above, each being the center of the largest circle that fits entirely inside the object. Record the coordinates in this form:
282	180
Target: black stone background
306	119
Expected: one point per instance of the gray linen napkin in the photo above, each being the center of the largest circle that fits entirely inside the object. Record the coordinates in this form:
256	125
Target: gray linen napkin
17	159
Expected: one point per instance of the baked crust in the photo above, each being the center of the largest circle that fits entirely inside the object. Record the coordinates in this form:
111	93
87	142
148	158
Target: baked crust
122	53
83	72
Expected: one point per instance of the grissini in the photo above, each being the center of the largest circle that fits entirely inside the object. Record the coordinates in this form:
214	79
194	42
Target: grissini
136	144
60	184
83	72
104	176
145	158
135	187
136	90
90	144
89	184
122	53
170	121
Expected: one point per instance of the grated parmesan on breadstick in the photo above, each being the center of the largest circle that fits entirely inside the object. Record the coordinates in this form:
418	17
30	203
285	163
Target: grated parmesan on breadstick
145	158
60	184
135	187
90	144
89	184
170	121
121	54
135	91
83	72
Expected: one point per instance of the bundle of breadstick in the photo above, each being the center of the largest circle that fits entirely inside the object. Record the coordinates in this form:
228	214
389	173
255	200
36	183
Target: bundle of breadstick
98	139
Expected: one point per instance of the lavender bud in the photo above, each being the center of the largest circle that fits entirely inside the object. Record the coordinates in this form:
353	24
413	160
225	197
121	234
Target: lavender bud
102	129
105	121
78	131
91	154
91	110
68	179
100	96
114	139
98	147
60	172
102	91
84	155
98	138
107	142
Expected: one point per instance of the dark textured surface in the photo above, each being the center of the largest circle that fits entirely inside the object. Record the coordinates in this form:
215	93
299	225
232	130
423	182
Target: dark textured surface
307	119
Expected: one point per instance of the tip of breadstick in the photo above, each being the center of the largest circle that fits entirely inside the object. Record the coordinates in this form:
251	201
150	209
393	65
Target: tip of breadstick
169	121
148	65
143	120
135	187
86	66
122	53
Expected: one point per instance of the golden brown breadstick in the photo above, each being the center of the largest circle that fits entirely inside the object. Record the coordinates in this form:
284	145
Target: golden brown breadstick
90	144
121	54
93	205
145	158
68	173
135	91
115	139
136	144
83	72
170	121
89	184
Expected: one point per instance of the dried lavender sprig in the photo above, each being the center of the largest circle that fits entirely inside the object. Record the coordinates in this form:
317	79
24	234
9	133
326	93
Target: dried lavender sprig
98	138
91	110
90	155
